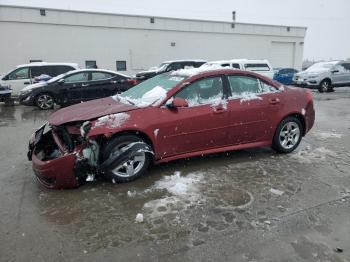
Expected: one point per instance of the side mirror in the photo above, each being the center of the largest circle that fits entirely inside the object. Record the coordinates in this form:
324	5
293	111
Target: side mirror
61	81
177	102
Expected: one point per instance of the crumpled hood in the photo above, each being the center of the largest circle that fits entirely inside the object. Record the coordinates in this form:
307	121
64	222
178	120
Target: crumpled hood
89	110
33	86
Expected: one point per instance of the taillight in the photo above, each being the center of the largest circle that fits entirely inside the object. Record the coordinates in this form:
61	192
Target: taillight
132	81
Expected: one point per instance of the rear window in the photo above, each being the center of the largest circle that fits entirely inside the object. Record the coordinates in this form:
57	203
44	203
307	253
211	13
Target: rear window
257	67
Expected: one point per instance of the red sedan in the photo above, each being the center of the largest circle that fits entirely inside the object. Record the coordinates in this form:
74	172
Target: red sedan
174	115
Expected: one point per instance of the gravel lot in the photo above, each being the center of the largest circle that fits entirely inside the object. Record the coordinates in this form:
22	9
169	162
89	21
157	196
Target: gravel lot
248	205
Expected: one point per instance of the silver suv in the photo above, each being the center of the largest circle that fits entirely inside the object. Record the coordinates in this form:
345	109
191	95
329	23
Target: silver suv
324	76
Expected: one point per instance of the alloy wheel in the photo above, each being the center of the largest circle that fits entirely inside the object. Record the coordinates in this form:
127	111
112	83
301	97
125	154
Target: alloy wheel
45	101
131	166
289	135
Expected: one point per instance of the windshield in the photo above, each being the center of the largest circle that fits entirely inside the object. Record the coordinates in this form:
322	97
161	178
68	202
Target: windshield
150	92
323	65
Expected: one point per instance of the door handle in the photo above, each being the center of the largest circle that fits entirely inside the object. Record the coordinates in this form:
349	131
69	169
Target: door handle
26	83
274	101
85	85
219	110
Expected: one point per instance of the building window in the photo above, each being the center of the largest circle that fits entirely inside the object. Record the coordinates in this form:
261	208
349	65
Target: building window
35	60
151	20
121	65
42	12
90	64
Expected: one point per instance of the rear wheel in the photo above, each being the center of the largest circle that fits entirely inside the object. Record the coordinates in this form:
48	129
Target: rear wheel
325	86
288	135
44	101
130	169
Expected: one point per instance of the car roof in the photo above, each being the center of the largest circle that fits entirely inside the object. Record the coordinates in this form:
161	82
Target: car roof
75	65
96	70
243	60
185	60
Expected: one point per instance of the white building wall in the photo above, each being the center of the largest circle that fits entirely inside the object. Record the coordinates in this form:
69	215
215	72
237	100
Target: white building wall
70	36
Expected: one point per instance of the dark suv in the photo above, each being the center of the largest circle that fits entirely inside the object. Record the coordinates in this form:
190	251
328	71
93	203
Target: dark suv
168	66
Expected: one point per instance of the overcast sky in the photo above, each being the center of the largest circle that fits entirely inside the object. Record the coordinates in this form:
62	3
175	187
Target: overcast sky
328	21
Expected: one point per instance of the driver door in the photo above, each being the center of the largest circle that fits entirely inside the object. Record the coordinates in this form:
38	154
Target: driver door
201	125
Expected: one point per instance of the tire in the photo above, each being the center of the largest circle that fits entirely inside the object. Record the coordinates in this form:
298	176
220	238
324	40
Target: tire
288	135
325	86
44	101
123	173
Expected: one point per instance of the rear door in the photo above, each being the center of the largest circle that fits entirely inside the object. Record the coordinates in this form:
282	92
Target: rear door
339	74
252	105
98	86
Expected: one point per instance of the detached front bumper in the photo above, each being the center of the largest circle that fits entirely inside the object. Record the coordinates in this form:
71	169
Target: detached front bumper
56	171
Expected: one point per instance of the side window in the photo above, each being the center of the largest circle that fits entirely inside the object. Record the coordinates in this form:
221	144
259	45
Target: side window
266	88
20	73
90	64
100	76
244	84
62	69
203	91
174	67
121	65
346	66
257	67
187	65
80	77
225	65
236	66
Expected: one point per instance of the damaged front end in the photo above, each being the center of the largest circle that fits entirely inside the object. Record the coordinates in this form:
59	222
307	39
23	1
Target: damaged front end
66	156
62	157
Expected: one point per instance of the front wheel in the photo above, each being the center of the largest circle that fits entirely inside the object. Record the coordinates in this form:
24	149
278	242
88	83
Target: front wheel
131	167
44	101
288	135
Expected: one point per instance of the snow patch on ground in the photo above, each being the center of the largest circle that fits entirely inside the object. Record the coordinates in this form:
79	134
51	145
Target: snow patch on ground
182	191
327	135
179	185
113	120
309	156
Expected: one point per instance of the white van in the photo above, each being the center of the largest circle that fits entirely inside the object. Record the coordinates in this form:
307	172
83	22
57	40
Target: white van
262	67
23	75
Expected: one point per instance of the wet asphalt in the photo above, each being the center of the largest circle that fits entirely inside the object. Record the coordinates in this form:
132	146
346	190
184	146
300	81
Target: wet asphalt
248	205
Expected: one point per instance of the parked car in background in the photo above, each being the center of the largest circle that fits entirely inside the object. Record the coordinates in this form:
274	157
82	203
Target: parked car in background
5	93
174	115
23	75
168	66
324	76
284	75
262	67
74	87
